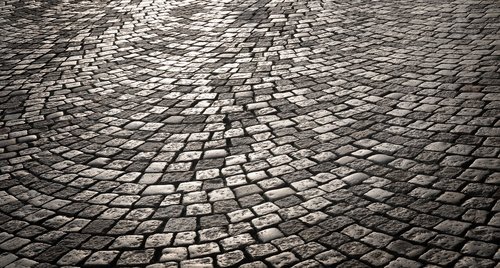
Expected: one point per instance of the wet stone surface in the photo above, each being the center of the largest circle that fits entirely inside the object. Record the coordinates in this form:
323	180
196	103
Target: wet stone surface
260	133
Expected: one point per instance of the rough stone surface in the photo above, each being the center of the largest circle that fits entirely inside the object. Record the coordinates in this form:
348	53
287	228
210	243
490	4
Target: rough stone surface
251	133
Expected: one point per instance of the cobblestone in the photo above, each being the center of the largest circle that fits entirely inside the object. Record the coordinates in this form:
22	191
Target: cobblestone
252	133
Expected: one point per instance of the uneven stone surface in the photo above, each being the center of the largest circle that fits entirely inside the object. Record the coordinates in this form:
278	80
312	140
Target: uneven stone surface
256	133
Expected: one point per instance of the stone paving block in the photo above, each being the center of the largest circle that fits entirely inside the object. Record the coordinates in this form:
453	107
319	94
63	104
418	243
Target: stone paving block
221	194
440	257
278	193
403	262
158	240
266	220
211	234
102	258
174	254
237	241
180	224
7	258
158	189
260	250
472	261
203	249
377	257
480	249
486	163
256	264
127	241
184	238
73	257
355	178
136	257
378	194
201	262
230	258
282	260
405	248
265	208
269	234
22	263
307	263
330	257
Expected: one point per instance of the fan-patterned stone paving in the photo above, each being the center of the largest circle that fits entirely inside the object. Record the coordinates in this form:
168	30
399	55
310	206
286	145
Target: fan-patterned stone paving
268	133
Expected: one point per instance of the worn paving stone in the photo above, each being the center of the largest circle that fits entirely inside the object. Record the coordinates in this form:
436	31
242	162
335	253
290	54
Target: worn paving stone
284	259
203	249
330	257
230	258
135	257
255	133
260	250
174	254
102	258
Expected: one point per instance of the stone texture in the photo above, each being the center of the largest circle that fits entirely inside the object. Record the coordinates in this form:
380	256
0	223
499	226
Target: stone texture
250	133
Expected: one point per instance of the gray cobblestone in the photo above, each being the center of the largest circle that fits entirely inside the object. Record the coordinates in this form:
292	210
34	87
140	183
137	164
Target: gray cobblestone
102	258
282	260
230	259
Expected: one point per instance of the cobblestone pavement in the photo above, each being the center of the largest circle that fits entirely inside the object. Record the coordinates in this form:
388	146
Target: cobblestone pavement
260	133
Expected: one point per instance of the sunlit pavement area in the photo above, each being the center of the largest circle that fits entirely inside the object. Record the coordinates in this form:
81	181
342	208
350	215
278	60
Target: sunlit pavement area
243	133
